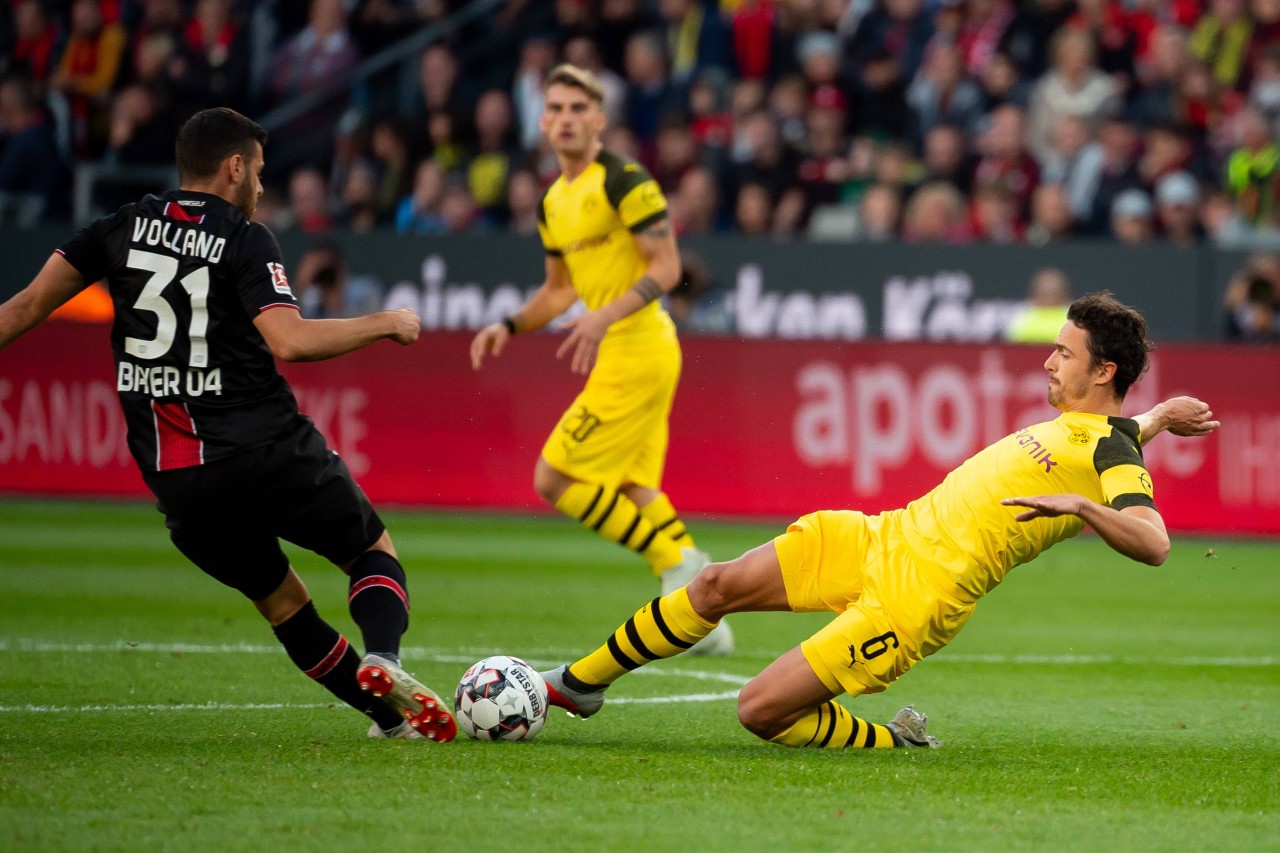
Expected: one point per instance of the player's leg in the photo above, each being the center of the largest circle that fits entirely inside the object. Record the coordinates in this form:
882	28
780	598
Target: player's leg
215	520
328	513
608	512
789	704
671	624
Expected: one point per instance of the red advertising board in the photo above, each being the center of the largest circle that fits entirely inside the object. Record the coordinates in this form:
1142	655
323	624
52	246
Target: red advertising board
760	428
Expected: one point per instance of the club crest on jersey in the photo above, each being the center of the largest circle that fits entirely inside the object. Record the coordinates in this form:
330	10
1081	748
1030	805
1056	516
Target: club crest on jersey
278	279
1080	436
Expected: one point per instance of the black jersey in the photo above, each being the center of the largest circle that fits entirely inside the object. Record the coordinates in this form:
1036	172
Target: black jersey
188	273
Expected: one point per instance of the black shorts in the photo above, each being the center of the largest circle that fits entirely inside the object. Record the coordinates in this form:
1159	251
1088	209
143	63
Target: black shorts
227	517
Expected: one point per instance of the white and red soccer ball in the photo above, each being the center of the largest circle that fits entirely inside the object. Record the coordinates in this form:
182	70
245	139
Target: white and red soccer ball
501	698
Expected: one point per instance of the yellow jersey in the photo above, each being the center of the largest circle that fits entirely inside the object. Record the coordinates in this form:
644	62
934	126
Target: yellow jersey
961	535
589	222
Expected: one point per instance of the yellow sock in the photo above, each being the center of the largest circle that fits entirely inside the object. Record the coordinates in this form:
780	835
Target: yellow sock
830	726
615	517
667	520
663	628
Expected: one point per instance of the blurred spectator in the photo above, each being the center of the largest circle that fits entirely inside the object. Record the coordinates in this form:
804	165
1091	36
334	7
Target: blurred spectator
994	216
1177	201
880	100
1115	42
33	177
985	22
753	211
1052	220
138	132
212	66
1002	84
1168	60
159	31
767	160
524	197
1075	162
1264	93
495	154
895	28
946	156
86	73
1253	171
359	199
389	150
651	95
709	121
676	152
309	201
818	53
536	57
35	40
935	213
788	103
326	291
1166	148
1131	221
620	20
942	94
459	212
1005	160
1045	311
318	56
879	213
419	212
1252	301
444	140
1223	225
822	167
1221	39
696	37
752	27
695	204
1266	31
1026	39
1073	87
444	91
1118	141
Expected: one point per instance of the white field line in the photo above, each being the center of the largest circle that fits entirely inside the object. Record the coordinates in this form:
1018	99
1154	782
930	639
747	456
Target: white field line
468	656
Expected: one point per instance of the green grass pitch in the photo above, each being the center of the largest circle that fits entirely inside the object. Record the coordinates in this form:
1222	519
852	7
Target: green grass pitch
1091	704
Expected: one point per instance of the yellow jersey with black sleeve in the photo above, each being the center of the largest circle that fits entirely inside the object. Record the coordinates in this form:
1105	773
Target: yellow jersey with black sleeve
961	533
589	222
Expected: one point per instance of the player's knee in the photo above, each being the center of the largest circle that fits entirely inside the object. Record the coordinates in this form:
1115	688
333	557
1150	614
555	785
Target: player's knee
756	713
711	593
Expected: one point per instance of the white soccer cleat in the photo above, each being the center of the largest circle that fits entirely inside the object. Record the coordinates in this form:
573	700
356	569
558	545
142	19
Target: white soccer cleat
575	702
417	703
908	727
719	642
404	731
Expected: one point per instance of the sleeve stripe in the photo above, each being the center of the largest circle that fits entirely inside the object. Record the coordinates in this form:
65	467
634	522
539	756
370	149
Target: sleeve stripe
279	305
647	221
1132	499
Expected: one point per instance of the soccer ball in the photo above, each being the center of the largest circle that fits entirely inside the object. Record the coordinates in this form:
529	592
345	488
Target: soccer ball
501	698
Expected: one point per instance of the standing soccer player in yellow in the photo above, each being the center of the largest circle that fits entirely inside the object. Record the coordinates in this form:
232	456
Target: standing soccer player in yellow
604	226
903	583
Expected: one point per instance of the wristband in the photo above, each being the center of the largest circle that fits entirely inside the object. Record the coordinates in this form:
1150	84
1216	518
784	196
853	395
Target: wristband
510	324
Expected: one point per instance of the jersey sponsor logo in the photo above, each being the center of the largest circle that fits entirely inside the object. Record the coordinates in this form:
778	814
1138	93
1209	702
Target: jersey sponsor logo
195	242
278	279
1035	450
190	202
1079	436
587	243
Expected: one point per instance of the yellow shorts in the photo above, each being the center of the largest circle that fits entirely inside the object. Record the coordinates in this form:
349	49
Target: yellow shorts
615	431
890	614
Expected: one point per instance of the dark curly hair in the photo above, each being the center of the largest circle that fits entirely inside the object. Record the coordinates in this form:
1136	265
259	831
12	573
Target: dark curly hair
1117	333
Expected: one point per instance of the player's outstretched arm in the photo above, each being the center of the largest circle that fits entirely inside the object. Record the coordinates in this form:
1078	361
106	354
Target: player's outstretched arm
548	302
54	285
1138	532
292	338
1179	415
657	244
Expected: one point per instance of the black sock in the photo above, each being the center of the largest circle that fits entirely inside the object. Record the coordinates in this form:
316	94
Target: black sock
324	655
379	602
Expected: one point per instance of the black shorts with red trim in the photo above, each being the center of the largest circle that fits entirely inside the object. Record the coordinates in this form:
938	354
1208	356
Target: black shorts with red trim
228	516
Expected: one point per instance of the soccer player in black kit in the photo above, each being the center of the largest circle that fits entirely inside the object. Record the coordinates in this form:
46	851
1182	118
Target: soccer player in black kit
202	304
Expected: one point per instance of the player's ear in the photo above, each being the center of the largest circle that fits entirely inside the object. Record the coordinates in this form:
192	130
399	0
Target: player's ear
1106	372
235	167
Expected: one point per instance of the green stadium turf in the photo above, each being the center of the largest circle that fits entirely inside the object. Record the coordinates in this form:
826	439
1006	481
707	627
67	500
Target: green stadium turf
1091	704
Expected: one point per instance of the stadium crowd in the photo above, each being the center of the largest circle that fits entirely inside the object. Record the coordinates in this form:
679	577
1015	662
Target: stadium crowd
922	120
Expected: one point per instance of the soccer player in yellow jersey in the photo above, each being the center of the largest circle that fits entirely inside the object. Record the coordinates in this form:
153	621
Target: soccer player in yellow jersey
904	582
604	227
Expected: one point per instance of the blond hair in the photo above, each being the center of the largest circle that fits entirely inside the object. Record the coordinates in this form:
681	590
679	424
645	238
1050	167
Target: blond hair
579	78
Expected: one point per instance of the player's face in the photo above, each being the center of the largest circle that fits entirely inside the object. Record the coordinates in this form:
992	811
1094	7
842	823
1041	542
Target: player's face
1071	374
249	190
571	120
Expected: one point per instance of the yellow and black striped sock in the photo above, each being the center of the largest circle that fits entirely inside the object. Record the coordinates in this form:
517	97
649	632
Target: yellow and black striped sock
830	726
667	520
663	628
614	516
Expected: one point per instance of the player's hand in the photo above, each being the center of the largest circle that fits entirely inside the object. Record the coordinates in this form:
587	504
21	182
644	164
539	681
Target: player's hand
585	334
491	338
406	325
1047	506
1187	416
